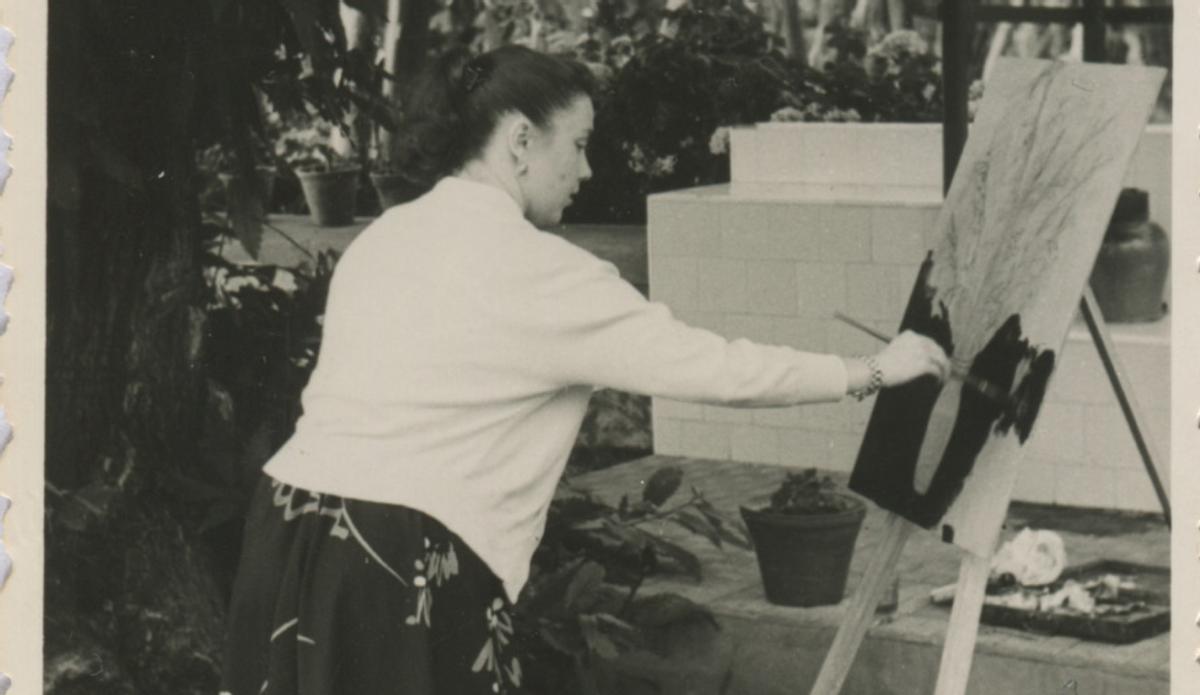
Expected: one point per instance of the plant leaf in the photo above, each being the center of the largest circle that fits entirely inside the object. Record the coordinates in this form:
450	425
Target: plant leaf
562	639
622	633
584	585
662	485
308	18
664	610
598	642
547	597
687	562
698	523
630	538
730	528
245	216
378	110
575	510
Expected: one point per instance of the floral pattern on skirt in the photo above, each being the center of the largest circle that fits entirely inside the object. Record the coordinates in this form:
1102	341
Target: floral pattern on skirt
343	596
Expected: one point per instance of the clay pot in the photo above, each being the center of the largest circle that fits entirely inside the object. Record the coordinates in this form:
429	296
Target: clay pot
1130	274
804	559
394	189
330	195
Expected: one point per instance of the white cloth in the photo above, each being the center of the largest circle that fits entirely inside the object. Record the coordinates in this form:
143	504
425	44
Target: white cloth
460	348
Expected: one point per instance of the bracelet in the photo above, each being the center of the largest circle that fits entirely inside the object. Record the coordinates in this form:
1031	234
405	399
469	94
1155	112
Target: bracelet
876	381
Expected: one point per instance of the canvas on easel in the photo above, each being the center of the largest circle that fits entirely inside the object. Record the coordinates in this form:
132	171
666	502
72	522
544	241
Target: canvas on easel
1019	232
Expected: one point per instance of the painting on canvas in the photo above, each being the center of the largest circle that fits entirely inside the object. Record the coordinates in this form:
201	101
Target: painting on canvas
1019	231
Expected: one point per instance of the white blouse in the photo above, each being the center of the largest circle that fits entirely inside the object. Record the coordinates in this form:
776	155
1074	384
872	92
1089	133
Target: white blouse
461	345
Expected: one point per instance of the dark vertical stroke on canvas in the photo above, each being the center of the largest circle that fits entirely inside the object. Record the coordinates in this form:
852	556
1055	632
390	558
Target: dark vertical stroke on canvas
892	444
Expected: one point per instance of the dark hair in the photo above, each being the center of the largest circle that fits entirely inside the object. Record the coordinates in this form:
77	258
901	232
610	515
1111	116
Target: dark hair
455	103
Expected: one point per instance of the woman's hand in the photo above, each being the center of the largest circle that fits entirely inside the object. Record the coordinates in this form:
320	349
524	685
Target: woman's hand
909	356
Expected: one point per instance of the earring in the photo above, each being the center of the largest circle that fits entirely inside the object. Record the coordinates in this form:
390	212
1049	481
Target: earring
522	169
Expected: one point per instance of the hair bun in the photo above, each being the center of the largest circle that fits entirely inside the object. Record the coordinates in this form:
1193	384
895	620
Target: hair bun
472	76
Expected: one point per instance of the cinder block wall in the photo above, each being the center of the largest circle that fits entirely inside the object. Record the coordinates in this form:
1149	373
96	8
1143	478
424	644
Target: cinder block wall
771	256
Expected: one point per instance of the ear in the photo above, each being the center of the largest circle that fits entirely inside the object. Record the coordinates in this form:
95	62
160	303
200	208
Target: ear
519	137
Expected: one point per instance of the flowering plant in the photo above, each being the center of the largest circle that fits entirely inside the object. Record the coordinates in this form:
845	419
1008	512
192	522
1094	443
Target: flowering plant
317	145
808	492
895	80
815	111
669	92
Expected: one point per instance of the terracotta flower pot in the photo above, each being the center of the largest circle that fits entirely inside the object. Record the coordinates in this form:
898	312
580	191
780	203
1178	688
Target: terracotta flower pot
804	559
394	189
330	195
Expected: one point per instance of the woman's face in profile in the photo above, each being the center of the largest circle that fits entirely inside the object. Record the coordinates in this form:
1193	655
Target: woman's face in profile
558	163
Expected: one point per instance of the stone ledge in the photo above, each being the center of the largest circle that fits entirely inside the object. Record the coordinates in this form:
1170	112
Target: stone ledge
789	193
622	245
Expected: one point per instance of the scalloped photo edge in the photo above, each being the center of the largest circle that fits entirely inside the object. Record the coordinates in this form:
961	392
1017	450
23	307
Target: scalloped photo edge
6	276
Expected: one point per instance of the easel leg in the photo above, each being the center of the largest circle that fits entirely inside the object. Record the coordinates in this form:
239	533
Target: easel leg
963	628
861	609
1124	393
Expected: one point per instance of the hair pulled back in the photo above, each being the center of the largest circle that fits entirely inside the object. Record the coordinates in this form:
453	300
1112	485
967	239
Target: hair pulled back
456	102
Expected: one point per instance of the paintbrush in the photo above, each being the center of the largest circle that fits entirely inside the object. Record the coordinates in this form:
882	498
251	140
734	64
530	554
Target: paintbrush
993	392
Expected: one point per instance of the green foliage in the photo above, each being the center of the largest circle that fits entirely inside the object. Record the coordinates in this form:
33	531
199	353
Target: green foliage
240	207
615	429
896	80
808	492
316	146
668	97
281	73
263	335
656	116
582	604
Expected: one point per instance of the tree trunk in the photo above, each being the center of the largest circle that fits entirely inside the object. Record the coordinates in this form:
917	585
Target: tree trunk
125	581
124	292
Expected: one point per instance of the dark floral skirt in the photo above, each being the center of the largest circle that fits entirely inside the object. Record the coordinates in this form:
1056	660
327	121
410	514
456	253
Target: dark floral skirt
337	596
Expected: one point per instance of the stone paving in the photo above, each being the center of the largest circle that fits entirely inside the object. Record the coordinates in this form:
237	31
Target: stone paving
778	649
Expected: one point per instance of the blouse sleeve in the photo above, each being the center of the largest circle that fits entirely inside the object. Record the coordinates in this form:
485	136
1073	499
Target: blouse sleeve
580	323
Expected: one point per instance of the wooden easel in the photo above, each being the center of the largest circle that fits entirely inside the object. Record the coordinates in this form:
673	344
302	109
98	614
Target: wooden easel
963	627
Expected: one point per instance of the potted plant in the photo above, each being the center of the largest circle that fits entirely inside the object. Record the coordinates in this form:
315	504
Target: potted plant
391	184
804	539
373	91
322	157
220	160
1131	269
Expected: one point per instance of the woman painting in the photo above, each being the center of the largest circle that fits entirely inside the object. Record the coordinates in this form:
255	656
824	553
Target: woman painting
392	533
